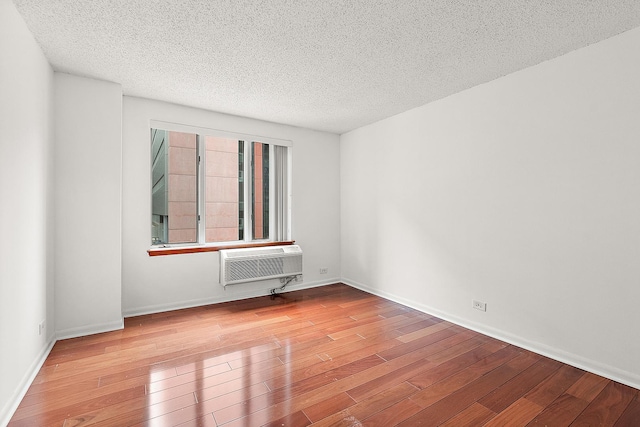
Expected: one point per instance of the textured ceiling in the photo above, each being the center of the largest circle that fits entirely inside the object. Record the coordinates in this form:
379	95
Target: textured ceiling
321	64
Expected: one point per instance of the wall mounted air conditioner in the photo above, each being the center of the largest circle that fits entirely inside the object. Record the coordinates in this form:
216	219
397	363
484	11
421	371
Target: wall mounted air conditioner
252	264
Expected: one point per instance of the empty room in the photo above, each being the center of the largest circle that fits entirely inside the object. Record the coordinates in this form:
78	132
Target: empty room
339	213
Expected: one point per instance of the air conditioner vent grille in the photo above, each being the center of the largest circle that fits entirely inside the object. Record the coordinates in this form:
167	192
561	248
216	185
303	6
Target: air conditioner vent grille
247	265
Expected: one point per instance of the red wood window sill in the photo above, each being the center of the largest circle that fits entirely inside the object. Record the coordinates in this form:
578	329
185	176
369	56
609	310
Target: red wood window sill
195	249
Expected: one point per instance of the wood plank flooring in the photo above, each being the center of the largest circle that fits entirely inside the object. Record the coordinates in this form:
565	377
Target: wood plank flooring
328	356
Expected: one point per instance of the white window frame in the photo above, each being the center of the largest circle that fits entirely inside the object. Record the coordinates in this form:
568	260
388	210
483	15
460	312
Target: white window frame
248	139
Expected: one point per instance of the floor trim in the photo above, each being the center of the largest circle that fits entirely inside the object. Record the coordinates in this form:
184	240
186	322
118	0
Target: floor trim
610	372
160	308
90	330
10	407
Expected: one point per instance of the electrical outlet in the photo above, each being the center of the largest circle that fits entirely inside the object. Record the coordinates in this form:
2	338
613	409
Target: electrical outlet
478	305
324	270
40	328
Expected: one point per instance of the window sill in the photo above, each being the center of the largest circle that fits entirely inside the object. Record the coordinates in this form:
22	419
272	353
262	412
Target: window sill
195	249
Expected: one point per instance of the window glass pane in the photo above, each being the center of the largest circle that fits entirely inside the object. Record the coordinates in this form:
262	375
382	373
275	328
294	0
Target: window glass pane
159	206
183	188
222	189
241	189
280	194
174	190
217	189
260	191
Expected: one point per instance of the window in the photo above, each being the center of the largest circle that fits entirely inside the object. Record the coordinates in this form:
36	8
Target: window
212	187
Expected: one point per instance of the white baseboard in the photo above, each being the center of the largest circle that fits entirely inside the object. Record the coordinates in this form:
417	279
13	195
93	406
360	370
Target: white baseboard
89	330
10	407
159	308
629	378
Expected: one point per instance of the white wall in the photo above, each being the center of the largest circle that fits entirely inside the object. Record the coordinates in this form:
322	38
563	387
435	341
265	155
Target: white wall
88	156
523	193
159	283
26	208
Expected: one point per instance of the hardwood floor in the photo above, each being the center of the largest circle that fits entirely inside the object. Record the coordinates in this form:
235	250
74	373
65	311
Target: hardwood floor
329	356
